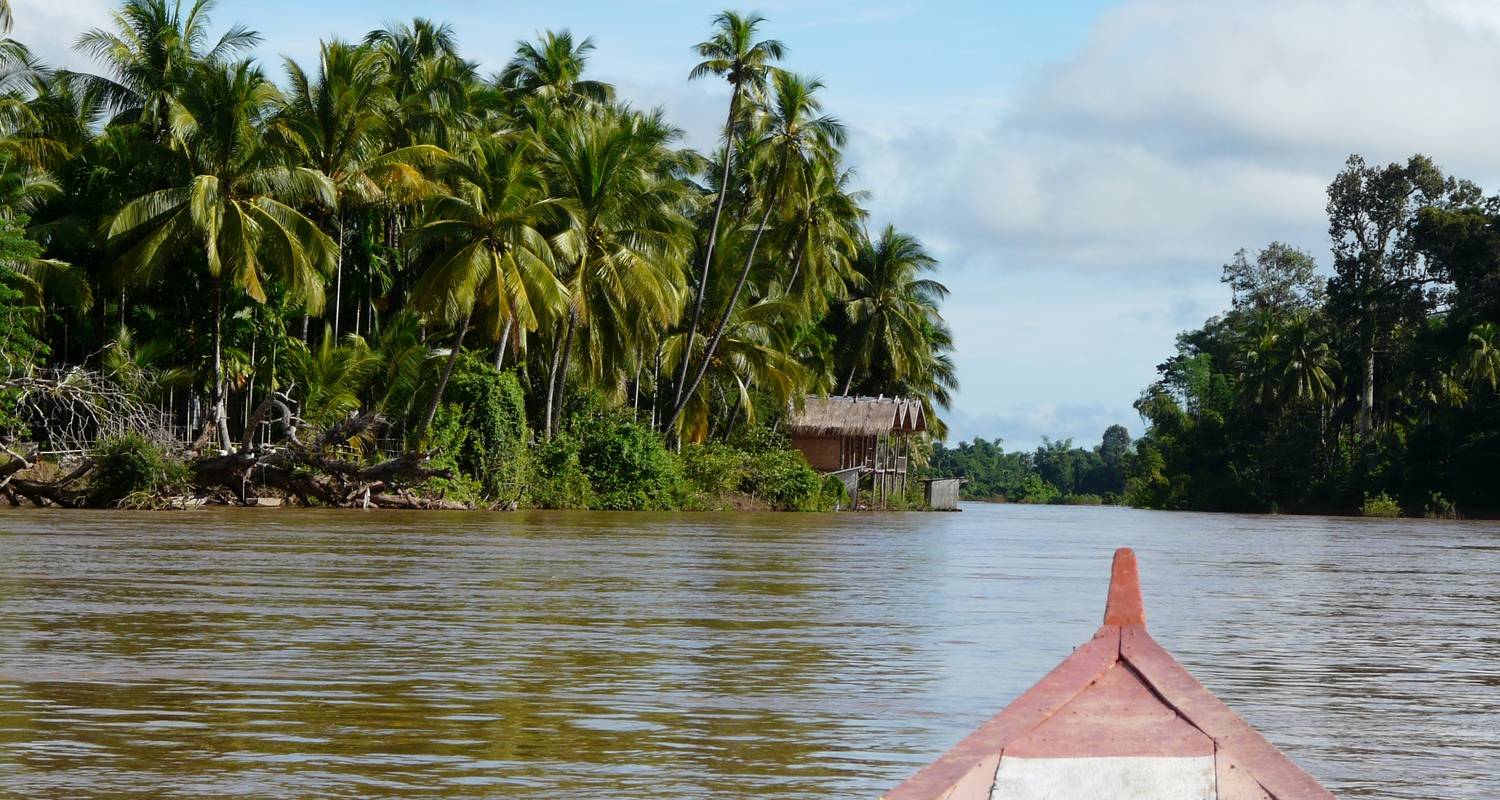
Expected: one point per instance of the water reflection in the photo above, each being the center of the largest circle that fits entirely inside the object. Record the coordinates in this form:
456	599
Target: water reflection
291	654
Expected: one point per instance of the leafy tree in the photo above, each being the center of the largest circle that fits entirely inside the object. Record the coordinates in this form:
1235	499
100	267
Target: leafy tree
1280	280
1380	276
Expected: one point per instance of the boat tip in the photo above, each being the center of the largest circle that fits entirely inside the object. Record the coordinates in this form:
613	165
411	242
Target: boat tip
1125	606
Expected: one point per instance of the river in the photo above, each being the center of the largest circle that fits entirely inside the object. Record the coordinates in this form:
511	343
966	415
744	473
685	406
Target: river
290	654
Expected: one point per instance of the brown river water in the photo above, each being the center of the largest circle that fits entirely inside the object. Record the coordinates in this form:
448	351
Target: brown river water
287	654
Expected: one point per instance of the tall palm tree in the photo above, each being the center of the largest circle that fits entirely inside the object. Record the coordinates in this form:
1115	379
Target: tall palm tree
791	138
621	248
153	54
893	308
485	250
756	351
733	54
427	79
236	215
552	69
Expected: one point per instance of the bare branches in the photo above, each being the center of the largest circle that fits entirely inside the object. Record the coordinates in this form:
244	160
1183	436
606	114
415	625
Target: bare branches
69	410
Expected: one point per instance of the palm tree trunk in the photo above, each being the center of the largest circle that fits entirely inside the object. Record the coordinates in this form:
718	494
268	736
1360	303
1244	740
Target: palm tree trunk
437	393
220	402
734	297
562	372
849	381
500	348
796	269
338	277
656	387
713	238
1367	395
552	380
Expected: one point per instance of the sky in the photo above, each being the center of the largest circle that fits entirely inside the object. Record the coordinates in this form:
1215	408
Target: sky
1081	169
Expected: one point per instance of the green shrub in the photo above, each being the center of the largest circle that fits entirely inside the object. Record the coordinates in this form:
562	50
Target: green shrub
480	432
133	469
558	480
714	469
1380	505
762	464
629	467
1034	491
1440	507
783	479
1081	500
603	459
835	494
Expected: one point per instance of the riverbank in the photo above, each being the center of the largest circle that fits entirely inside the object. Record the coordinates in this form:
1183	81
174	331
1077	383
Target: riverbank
601	459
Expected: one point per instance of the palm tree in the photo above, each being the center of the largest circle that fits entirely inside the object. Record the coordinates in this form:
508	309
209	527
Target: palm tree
331	378
610	171
733	54
756	351
1260	381
790	139
1286	360
552	69
825	235
153	55
428	81
1484	359
1305	362
337	123
893	311
238	211
485	249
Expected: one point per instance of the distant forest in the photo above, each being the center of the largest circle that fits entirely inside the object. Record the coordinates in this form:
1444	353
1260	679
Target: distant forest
1056	472
1372	390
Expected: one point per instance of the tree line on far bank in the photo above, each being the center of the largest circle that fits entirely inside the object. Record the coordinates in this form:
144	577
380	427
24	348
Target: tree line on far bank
1055	472
1373	389
310	256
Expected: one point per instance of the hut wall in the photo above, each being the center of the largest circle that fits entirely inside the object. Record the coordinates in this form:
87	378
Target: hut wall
822	451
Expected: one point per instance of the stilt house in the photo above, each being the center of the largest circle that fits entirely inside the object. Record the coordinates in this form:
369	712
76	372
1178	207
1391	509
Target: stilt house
858	436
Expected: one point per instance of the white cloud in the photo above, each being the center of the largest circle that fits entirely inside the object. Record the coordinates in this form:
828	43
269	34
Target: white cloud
1181	131
1084	224
50	28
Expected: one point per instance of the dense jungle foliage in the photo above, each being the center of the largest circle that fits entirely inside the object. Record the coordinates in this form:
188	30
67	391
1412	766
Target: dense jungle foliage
392	251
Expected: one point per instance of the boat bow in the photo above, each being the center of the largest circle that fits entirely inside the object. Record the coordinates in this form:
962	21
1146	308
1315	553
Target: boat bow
1119	719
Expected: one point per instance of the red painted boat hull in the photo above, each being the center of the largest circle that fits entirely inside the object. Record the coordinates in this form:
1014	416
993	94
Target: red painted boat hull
1119	719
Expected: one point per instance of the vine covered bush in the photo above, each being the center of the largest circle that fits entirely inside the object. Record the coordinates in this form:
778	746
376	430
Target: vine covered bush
133	470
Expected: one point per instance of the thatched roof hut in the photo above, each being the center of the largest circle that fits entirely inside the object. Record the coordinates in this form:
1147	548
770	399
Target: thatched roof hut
856	433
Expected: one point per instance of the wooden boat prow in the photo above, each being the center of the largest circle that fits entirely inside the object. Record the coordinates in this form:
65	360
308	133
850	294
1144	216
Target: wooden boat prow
1119	719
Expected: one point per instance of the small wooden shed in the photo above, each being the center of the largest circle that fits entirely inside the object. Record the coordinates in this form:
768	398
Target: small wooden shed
942	494
870	435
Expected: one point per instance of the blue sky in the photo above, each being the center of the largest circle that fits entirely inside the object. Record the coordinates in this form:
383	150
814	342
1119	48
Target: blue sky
1082	169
